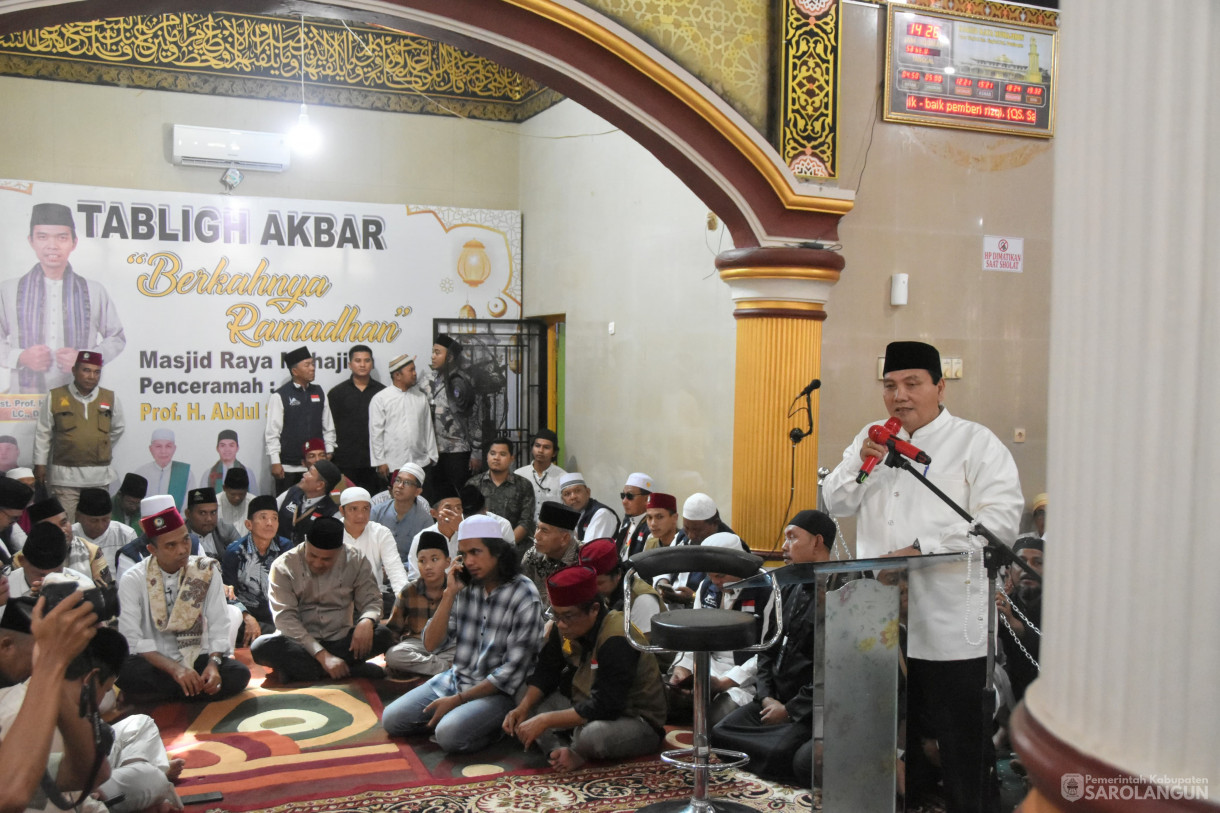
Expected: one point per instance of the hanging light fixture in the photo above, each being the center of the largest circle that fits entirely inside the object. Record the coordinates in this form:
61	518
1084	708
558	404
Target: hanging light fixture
304	138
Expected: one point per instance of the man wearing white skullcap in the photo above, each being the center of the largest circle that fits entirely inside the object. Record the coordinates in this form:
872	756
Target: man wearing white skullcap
374	541
494	615
700	519
406	513
633	530
164	474
597	521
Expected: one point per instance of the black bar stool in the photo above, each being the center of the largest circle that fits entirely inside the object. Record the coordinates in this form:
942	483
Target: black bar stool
700	631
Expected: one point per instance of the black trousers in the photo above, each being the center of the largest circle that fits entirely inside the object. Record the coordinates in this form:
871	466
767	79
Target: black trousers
450	467
366	477
293	663
945	706
264	628
772	748
142	681
290	479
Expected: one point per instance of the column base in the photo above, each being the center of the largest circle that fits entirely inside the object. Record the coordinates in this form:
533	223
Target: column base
1066	779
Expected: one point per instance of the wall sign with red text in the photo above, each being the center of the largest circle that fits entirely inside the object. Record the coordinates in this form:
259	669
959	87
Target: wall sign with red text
952	70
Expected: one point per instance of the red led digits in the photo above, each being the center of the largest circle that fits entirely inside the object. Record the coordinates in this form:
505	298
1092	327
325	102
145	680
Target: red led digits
925	30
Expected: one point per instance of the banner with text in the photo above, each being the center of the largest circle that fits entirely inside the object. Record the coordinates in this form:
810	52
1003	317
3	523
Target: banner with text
191	299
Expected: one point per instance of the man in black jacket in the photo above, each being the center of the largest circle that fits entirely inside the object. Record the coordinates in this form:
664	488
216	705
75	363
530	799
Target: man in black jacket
776	730
349	406
308	500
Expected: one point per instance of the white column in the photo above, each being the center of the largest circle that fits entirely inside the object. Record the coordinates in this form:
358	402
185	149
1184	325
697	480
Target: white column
1131	657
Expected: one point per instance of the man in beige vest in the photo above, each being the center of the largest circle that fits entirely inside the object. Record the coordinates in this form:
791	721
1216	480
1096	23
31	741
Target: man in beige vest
588	679
76	434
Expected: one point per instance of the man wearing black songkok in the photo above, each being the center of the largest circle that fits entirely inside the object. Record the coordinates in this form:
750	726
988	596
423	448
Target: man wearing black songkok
327	606
898	516
38	342
296	412
777	728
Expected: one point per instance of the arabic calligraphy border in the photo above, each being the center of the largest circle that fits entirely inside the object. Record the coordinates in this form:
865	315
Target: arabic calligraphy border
988	9
466	84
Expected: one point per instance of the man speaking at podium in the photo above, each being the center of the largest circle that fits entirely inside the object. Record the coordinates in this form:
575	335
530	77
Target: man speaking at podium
947	621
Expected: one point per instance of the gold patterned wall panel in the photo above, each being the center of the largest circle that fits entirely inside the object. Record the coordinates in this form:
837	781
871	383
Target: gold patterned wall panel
807	112
261	57
725	43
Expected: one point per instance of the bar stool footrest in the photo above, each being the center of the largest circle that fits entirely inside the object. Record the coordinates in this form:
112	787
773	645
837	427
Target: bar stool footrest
685	758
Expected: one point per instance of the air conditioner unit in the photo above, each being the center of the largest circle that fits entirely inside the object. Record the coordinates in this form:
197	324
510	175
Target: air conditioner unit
221	147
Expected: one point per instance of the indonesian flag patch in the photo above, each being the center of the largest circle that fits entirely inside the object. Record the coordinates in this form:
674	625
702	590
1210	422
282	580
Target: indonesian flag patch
315	397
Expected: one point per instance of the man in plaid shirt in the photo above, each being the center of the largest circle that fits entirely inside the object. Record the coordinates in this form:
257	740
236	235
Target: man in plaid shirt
493	616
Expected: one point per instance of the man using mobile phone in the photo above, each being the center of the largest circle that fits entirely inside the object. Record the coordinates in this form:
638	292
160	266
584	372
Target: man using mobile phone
494	616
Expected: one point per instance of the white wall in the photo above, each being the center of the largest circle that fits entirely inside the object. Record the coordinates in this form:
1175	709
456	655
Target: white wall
84	134
612	236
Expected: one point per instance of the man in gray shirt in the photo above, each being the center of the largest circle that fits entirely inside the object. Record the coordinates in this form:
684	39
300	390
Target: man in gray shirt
327	607
406	513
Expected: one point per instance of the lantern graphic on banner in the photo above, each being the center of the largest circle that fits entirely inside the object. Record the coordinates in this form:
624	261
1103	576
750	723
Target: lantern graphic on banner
474	266
467	312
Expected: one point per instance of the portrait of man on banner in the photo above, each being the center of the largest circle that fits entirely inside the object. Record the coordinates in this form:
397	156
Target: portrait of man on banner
51	313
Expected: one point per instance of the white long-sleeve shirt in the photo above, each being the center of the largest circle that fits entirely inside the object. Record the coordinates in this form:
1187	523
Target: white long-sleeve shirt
546	485
105	330
400	429
976	470
378	545
76	476
136	621
275	425
721	663
603	525
114	537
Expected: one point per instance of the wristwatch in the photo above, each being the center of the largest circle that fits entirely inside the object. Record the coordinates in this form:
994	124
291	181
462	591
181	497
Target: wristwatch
216	659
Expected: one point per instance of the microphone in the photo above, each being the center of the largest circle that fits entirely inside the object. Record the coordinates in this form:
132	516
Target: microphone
891	426
813	385
885	436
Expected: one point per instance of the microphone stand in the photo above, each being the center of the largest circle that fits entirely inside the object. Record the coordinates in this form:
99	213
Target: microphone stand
797	434
996	554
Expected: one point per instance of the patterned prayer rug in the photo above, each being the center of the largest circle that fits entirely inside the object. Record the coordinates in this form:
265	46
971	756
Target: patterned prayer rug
615	789
321	748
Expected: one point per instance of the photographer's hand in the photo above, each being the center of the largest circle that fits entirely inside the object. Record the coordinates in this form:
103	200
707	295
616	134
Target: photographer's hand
58	638
63	633
77	731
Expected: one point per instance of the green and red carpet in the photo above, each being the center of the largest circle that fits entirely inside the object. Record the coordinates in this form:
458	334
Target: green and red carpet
310	749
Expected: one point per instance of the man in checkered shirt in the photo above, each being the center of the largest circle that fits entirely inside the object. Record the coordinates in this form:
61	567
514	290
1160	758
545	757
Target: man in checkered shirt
494	617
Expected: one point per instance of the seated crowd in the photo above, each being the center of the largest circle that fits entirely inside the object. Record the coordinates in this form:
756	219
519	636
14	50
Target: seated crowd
502	600
528	646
